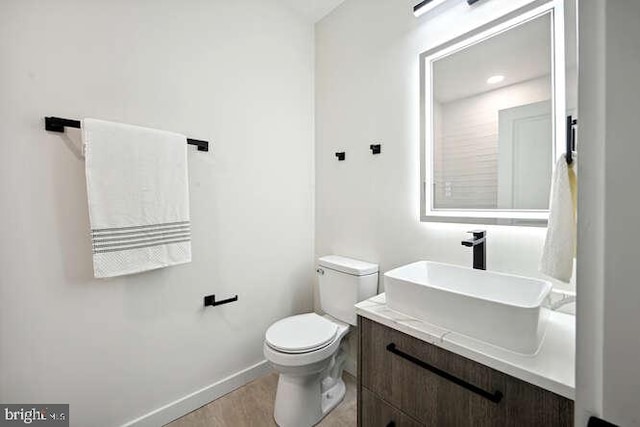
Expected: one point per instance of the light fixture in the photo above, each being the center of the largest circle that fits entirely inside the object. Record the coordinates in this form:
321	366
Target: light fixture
425	6
495	79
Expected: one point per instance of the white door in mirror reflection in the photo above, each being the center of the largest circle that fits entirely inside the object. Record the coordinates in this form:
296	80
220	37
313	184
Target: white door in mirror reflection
525	156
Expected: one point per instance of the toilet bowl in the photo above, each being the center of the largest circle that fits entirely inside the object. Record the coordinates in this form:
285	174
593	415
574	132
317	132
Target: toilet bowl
310	366
307	349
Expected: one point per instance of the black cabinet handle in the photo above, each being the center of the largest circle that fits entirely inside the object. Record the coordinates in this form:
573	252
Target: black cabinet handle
391	424
495	397
597	422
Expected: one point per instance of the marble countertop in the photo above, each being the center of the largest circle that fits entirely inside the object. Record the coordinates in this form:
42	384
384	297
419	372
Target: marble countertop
552	368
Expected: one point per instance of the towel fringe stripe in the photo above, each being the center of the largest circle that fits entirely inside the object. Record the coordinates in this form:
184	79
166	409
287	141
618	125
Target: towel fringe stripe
141	236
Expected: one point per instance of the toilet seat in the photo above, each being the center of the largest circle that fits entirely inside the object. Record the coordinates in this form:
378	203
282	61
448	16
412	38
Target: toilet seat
303	333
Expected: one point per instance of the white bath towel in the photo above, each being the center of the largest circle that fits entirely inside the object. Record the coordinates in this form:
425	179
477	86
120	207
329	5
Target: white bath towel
138	192
559	246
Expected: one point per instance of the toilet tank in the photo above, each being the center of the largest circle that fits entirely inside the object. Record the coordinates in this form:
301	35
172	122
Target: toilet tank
344	282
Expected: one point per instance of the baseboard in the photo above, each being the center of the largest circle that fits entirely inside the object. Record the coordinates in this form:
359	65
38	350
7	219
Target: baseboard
195	400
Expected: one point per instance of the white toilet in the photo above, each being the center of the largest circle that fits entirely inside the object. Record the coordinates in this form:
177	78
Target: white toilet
306	349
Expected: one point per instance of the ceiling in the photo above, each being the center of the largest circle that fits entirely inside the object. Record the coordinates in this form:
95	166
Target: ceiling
313	10
519	54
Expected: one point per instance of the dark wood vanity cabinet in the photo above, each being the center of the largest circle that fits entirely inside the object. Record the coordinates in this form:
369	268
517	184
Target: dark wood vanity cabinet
403	381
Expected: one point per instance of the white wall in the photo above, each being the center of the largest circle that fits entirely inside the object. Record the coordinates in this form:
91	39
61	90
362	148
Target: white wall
621	373
608	377
239	74
591	209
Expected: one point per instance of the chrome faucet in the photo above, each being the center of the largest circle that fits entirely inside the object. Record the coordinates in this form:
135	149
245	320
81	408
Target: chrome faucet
478	243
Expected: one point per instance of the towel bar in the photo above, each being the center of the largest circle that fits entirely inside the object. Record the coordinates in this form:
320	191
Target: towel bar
57	124
571	138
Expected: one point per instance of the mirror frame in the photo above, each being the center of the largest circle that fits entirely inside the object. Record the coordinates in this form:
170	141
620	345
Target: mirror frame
494	216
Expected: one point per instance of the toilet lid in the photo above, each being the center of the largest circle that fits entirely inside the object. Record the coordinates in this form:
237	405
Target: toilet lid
301	334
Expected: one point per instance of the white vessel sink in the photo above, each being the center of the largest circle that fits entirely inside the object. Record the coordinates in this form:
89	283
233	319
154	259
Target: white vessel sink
500	309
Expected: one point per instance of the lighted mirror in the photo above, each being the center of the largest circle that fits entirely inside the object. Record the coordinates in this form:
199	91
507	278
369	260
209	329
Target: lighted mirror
493	105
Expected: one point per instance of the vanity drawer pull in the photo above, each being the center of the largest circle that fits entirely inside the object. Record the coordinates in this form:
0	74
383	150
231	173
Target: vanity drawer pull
391	424
495	397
